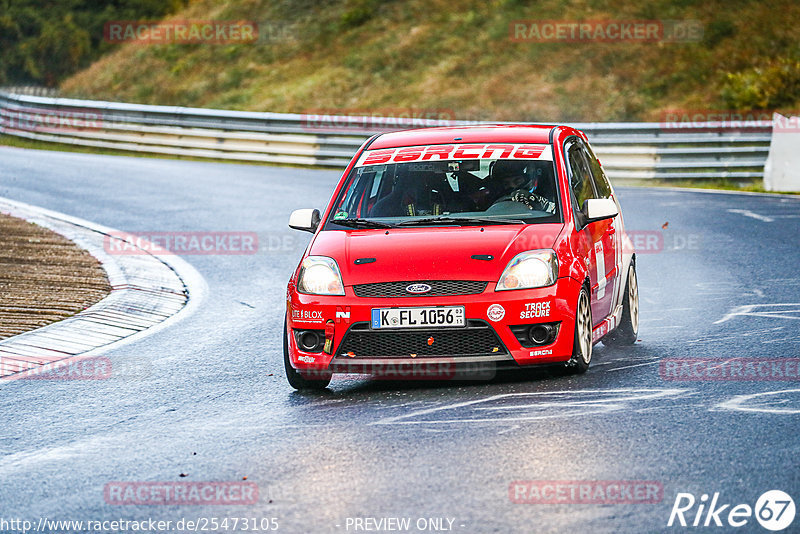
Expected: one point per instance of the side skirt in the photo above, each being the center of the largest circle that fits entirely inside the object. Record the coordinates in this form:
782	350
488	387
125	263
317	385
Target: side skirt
607	325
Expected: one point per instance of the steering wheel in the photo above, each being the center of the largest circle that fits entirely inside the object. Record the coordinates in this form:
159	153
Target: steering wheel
531	200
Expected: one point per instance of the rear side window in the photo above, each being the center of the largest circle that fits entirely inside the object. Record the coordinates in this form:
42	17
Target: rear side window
601	183
580	175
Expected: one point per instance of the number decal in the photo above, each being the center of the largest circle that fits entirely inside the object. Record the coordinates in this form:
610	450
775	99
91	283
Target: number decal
600	264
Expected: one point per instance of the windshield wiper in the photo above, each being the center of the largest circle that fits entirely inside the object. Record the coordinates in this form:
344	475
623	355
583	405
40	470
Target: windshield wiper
362	223
461	221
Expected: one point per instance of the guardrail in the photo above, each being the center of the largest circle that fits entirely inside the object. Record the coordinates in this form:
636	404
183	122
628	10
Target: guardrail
628	150
31	90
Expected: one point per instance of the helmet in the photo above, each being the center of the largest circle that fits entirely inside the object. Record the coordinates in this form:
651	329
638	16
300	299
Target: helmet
504	168
509	174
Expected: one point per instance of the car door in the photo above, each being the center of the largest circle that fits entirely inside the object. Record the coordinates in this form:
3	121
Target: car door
597	238
611	238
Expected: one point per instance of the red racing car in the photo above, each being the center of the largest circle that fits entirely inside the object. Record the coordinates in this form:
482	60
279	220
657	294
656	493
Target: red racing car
499	245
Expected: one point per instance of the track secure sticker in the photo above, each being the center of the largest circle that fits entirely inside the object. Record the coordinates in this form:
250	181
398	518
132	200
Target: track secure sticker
455	151
535	310
495	312
307	359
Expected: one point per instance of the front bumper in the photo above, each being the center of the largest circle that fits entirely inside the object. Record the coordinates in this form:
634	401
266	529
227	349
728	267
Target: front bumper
490	315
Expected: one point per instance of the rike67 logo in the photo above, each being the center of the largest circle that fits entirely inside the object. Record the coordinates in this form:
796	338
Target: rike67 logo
774	510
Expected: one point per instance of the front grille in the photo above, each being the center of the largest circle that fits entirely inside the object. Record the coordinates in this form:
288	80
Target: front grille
476	339
439	288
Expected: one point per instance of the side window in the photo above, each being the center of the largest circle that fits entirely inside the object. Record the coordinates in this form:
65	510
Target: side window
376	183
580	175
600	180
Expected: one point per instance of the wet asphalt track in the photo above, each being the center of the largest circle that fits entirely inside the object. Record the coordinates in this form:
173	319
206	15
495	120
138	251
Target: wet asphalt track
213	384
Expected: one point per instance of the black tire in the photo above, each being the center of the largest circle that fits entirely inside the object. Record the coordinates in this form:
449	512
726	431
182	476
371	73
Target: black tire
582	346
628	330
297	380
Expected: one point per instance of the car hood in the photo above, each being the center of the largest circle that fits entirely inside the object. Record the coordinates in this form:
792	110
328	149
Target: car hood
430	253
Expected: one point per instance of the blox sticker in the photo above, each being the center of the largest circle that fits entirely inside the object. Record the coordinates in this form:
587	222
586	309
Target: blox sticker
311	316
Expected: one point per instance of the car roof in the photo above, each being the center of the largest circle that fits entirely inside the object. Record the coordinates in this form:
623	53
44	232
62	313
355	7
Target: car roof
485	133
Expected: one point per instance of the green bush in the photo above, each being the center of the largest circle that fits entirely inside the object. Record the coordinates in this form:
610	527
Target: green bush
772	86
357	13
43	44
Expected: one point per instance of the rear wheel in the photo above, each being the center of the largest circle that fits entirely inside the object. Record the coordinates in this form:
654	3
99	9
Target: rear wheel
295	378
582	347
628	330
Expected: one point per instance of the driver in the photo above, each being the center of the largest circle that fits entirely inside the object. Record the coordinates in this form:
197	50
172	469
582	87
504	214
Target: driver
514	184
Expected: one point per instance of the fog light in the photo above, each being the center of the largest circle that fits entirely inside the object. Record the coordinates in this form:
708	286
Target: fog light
309	340
535	335
540	333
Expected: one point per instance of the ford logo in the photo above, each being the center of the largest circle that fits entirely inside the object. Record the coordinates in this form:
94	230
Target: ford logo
418	289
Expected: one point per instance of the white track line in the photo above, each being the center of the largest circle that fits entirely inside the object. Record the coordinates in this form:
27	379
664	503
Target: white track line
752	215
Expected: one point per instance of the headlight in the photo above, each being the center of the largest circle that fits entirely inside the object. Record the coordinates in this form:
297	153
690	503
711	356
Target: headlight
536	268
319	275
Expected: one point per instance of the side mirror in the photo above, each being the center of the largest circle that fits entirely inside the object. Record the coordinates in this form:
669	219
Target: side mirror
597	209
305	219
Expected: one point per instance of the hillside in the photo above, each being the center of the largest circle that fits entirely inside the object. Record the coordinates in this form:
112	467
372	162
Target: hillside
458	59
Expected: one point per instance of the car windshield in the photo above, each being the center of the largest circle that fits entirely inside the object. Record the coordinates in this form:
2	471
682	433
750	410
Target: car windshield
513	184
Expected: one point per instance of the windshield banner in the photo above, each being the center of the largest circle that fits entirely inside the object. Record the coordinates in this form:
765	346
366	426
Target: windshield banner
456	152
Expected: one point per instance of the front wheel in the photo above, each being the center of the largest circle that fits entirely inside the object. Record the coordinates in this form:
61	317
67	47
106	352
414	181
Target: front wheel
582	347
297	380
628	330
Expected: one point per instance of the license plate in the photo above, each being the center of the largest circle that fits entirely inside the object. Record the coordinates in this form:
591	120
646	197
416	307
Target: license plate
417	317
